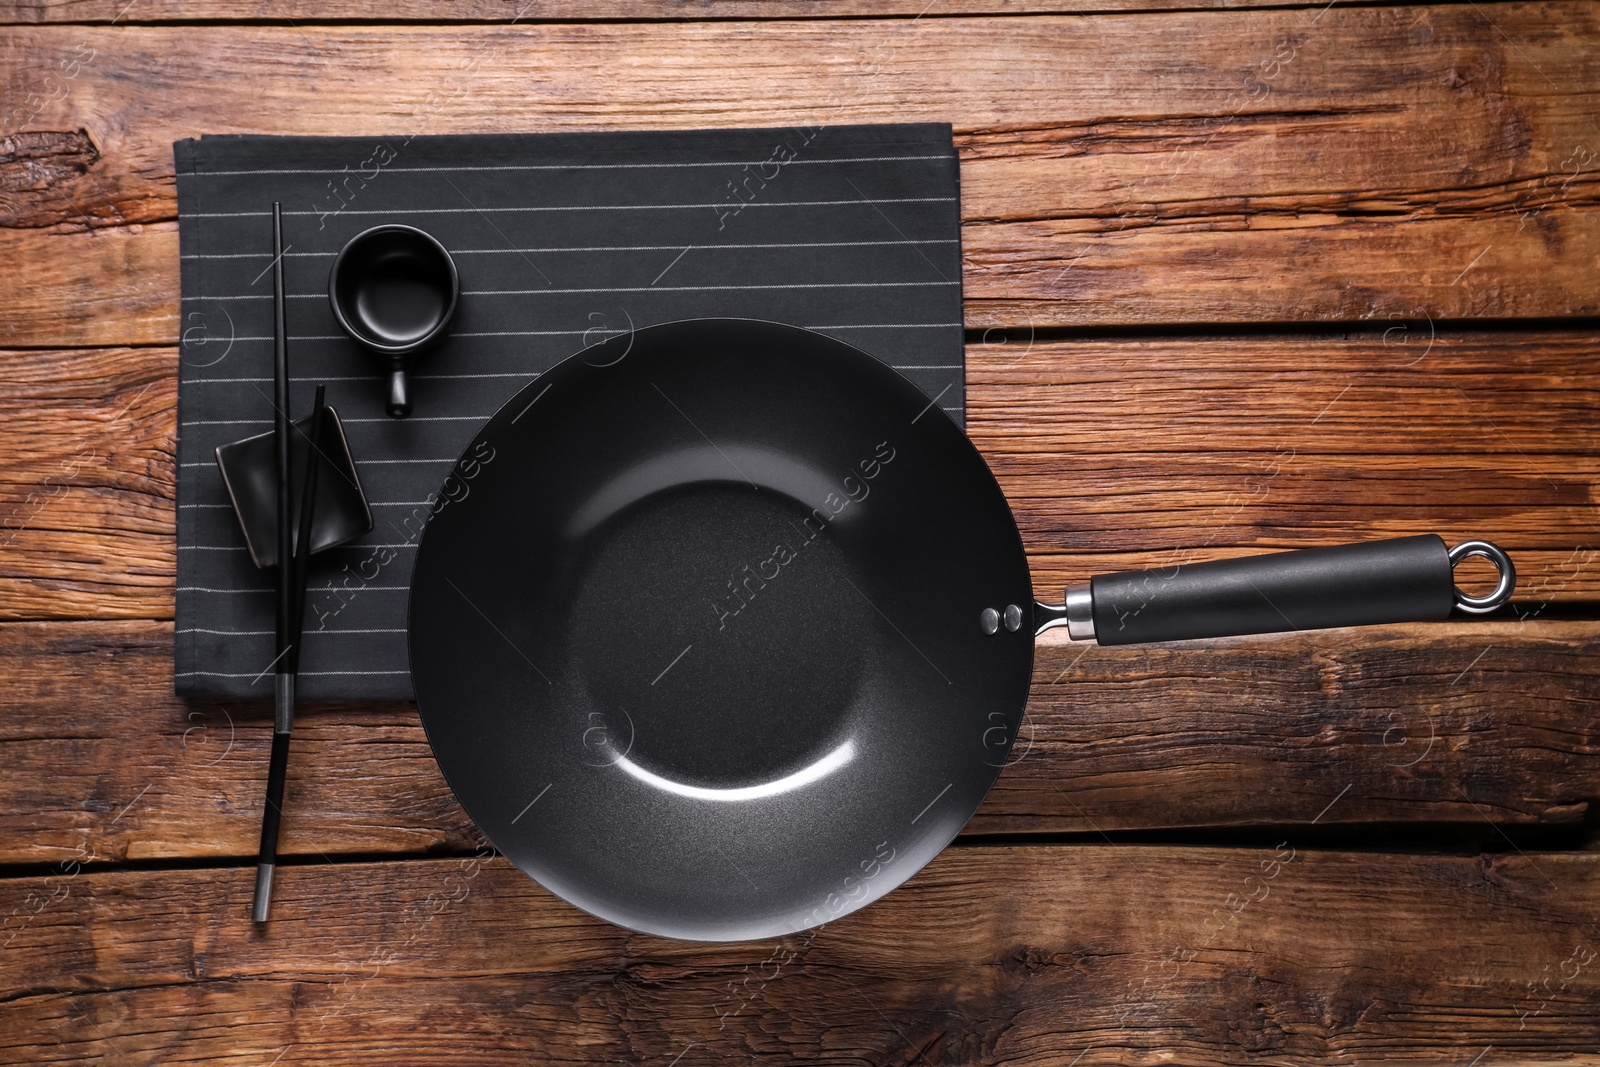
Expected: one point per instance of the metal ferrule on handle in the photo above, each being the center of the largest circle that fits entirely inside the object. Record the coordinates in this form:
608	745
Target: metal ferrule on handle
1404	579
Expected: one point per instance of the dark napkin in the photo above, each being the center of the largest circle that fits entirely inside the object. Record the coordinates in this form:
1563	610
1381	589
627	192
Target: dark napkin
561	240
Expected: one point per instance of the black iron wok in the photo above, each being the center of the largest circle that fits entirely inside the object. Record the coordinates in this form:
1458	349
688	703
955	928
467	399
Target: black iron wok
731	630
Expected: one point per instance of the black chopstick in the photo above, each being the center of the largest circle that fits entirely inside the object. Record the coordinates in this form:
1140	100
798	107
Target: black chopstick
283	675
302	544
277	772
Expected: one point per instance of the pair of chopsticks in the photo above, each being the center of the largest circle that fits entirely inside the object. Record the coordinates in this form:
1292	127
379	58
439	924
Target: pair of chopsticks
293	555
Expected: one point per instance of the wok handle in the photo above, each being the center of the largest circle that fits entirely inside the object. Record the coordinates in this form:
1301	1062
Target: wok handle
1404	579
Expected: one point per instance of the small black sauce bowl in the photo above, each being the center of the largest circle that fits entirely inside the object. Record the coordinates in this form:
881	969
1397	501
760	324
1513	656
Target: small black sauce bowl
250	473
394	289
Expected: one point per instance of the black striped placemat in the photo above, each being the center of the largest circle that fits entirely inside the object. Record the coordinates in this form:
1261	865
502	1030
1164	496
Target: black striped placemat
561	240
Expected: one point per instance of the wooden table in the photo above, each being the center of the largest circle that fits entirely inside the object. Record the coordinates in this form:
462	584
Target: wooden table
1238	277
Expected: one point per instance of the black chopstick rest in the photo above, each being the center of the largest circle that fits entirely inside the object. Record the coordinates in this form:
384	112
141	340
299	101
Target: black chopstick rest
340	513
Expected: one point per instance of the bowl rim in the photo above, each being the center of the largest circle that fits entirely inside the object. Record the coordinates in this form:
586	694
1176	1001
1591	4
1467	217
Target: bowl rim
361	337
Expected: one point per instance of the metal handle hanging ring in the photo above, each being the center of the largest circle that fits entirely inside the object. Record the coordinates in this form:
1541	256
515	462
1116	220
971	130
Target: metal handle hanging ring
1478	605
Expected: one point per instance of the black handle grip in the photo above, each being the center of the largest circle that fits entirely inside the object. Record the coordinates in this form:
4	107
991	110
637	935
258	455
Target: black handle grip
1406	579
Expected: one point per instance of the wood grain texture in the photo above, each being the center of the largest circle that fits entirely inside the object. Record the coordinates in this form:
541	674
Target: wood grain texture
1260	166
122	12
1443	723
1382	166
87	487
1144	453
1115	454
1027	956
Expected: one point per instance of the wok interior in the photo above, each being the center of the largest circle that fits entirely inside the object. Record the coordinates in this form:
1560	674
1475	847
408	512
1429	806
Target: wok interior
700	649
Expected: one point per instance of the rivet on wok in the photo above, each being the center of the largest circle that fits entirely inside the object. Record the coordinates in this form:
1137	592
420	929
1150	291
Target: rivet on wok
1013	618
989	620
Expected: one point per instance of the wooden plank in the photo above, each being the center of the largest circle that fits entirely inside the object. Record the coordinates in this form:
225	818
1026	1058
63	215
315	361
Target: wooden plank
1259	166
151	11
86	494
1108	449
146	775
1032	955
1444	723
1115	454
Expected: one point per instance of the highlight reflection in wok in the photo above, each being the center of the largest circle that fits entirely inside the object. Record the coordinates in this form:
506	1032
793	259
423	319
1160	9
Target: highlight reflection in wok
787	784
